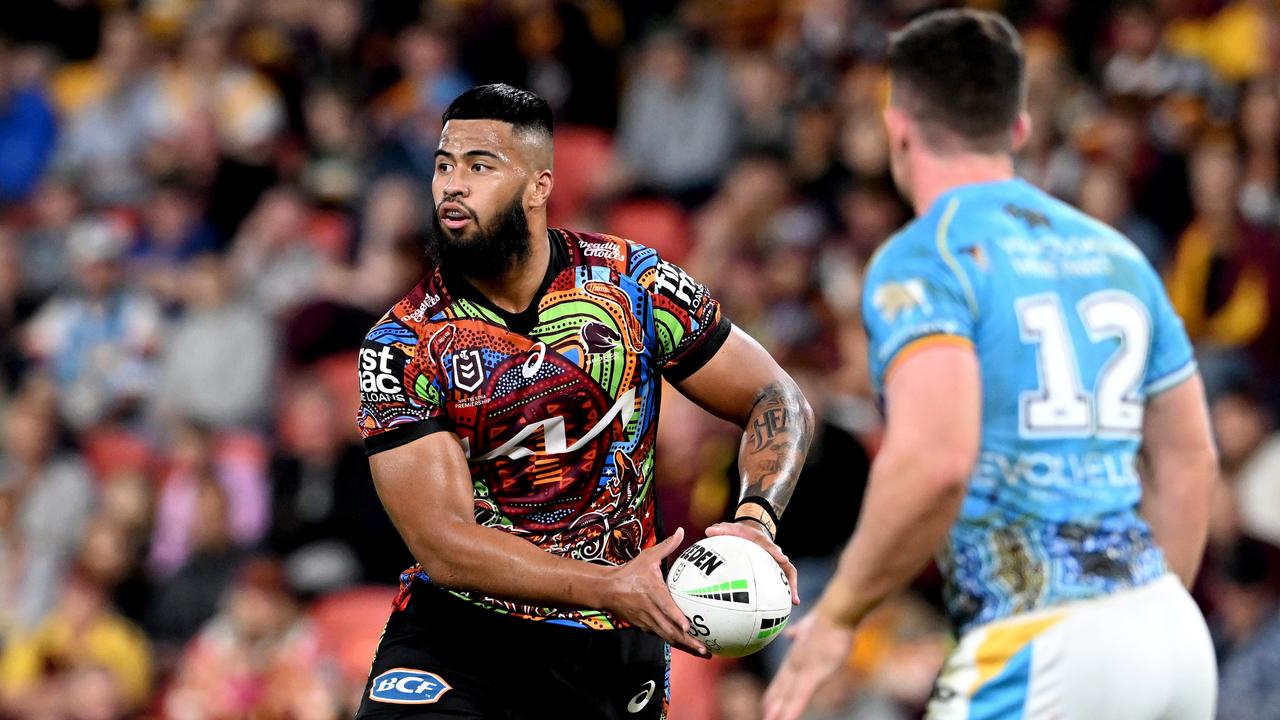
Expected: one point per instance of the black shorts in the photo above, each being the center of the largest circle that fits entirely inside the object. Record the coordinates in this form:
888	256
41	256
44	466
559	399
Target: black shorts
442	657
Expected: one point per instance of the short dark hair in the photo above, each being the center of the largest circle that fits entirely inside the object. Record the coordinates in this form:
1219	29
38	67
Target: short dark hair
526	111
960	71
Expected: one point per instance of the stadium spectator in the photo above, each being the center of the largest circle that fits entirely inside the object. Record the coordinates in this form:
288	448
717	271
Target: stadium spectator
677	126
1104	193
216	366
105	107
182	520
1260	130
1244	418
172	232
328	524
1224	278
81	631
28	130
272	256
96	339
42	246
45	499
1248	632
257	658
194	593
1144	66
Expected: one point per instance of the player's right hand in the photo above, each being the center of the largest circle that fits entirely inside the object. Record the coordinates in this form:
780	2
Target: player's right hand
819	648
637	592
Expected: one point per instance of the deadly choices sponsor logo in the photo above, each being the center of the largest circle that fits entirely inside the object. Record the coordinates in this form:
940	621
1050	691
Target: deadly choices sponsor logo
608	251
406	686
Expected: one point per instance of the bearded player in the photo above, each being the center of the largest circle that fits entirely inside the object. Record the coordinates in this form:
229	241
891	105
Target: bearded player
509	409
1026	353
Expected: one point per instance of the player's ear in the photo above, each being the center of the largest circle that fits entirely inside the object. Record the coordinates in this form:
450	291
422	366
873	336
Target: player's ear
540	188
896	125
1021	130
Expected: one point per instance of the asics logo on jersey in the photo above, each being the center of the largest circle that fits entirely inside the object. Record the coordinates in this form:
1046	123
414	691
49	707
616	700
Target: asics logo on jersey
637	703
897	298
553	434
534	363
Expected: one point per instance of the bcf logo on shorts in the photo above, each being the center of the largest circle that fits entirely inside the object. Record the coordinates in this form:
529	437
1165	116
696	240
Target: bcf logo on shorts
406	686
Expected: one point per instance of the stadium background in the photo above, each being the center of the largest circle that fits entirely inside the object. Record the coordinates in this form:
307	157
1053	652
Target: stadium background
204	205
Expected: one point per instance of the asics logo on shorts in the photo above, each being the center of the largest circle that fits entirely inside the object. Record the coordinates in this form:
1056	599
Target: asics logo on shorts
637	703
406	686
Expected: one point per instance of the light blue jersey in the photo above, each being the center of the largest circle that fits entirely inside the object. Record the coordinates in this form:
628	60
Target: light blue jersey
1073	332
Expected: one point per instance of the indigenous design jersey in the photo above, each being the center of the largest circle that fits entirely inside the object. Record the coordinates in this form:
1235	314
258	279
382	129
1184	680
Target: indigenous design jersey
556	407
1073	332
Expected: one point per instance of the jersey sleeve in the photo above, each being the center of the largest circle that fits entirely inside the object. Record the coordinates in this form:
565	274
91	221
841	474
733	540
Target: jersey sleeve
689	326
1172	357
916	293
400	395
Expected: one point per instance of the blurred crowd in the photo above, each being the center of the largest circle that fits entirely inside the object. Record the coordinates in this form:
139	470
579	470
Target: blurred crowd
204	204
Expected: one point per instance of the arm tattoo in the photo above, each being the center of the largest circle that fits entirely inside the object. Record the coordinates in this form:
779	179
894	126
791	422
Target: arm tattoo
774	443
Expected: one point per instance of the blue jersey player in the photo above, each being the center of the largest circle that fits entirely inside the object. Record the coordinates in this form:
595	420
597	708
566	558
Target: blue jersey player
1028	357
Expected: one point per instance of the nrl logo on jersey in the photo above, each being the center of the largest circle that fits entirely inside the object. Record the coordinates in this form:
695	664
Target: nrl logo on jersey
894	299
468	370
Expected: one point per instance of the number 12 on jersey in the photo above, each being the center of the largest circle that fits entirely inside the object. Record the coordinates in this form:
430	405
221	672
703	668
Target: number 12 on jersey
1061	406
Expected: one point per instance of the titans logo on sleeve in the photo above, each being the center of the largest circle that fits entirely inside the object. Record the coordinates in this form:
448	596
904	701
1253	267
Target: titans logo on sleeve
556	408
1073	331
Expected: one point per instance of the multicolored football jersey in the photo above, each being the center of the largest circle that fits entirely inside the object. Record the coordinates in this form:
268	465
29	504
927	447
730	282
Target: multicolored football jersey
556	407
1073	332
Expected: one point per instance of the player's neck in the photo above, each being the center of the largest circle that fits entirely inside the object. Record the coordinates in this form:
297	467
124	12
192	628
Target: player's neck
936	175
515	290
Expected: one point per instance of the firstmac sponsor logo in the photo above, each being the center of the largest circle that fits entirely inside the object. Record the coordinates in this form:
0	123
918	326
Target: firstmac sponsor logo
378	376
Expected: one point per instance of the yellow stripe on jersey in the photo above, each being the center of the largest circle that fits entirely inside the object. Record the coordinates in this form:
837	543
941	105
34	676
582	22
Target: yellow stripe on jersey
1005	640
944	225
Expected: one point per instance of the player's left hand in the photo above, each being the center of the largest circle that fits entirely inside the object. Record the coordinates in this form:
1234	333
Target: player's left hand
755	533
819	648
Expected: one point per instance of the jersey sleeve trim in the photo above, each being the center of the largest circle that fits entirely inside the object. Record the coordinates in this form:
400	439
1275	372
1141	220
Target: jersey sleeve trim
699	355
920	344
944	225
402	435
1173	379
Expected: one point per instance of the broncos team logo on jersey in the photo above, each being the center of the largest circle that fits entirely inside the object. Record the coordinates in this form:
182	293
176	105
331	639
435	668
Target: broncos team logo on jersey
893	299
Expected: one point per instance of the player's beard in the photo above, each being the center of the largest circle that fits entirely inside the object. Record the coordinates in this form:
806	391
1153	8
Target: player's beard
481	251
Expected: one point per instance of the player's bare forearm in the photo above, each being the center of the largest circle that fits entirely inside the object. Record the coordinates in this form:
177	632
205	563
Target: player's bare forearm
426	489
744	385
1181	472
917	483
774	443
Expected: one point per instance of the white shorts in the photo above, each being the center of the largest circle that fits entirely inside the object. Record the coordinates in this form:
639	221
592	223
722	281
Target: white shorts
1141	654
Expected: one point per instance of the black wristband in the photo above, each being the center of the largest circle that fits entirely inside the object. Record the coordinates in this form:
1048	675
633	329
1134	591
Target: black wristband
758	521
764	503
